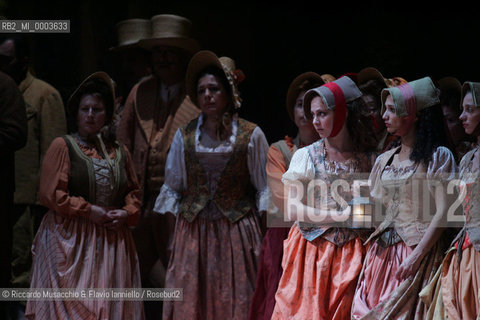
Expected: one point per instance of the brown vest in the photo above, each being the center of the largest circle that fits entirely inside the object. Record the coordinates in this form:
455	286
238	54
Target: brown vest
235	196
159	130
82	180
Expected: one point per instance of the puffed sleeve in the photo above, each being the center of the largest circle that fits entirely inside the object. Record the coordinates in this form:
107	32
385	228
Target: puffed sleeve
375	178
442	168
464	163
257	160
54	182
175	178
132	201
301	168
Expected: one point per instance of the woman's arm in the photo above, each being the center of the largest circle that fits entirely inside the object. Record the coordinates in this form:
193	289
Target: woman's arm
132	201
257	161
54	183
175	178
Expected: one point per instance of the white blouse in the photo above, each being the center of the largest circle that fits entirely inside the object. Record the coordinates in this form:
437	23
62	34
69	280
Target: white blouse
176	172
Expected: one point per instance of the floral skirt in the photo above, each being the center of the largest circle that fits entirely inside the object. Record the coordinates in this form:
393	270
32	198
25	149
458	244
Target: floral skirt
319	278
215	263
76	253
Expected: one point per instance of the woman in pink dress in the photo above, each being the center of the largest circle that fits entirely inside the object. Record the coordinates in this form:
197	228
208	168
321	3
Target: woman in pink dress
406	249
215	183
89	184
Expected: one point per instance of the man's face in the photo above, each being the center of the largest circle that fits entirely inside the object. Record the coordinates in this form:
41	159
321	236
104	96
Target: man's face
9	62
168	64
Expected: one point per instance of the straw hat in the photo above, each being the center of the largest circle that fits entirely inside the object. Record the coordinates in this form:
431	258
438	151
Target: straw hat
100	76
420	94
130	32
294	90
206	58
171	31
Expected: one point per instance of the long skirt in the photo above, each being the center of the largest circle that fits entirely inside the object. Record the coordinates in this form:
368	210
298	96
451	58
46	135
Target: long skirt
460	284
215	263
76	253
379	295
269	274
319	278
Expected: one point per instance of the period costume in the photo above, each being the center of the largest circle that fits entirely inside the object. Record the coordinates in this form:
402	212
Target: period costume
402	187
278	160
216	189
454	292
321	263
152	114
70	250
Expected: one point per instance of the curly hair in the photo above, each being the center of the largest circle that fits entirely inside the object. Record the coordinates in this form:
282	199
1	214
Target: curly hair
429	134
360	127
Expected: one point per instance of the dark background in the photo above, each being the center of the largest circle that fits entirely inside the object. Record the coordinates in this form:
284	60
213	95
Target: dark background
270	41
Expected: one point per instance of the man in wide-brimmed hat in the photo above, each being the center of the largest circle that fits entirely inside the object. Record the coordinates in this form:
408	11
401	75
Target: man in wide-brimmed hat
155	108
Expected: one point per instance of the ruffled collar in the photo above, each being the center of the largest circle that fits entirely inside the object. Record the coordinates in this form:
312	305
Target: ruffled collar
224	146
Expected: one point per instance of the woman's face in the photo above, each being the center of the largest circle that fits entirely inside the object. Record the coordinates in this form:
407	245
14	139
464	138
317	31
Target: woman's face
374	111
299	115
322	117
470	116
454	124
394	123
212	97
91	115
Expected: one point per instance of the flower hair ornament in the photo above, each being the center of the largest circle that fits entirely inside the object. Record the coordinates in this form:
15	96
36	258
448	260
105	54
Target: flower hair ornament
234	77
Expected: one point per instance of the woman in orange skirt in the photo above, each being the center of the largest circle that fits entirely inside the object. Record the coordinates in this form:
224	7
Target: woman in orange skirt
322	255
278	159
